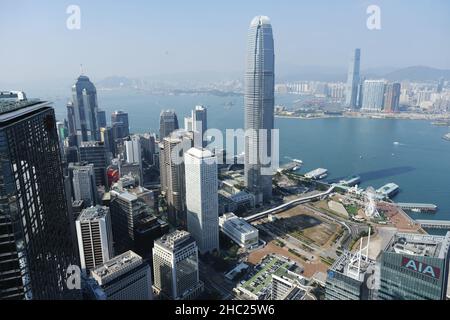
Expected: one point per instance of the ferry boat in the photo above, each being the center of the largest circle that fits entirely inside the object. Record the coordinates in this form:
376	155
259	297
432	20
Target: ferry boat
446	137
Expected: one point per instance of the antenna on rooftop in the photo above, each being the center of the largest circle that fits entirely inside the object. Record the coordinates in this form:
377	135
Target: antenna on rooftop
81	69
354	265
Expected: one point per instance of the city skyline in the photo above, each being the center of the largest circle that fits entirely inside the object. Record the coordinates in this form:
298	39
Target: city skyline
107	55
295	190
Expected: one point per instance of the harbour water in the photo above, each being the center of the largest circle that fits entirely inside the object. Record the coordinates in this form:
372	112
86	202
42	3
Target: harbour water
410	153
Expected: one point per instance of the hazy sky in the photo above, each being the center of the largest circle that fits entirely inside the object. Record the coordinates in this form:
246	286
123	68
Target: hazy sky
146	38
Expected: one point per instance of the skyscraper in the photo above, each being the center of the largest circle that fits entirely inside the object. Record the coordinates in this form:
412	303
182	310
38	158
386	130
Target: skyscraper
175	266
173	175
202	198
259	106
101	118
168	123
94	152
83	183
392	97
373	95
85	106
94	233
118	117
351	95
36	247
133	149
414	267
199	126
124	277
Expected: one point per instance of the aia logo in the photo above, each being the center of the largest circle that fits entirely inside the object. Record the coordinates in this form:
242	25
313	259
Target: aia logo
421	267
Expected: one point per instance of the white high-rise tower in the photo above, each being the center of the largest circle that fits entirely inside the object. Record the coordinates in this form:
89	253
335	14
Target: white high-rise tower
202	198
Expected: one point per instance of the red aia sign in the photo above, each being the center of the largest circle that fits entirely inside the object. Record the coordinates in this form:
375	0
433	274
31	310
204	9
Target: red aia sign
421	267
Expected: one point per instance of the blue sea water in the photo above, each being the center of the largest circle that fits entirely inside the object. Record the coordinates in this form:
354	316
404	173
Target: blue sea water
410	153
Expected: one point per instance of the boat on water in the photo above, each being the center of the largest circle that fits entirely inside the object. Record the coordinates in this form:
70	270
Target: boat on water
446	137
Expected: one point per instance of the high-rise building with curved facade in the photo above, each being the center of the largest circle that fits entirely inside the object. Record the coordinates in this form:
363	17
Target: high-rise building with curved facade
85	109
259	108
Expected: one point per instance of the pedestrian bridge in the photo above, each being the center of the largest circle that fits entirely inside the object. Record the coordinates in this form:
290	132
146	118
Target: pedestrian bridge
286	205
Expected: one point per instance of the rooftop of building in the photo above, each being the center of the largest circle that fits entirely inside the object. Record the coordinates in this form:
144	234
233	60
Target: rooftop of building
116	266
260	280
93	213
424	245
260	20
13	106
177	238
200	153
348	265
238	223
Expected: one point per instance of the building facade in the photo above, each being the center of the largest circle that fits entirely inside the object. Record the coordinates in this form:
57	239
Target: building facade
259	107
34	219
95	240
351	92
124	277
202	198
414	267
85	107
175	267
373	95
168	123
392	97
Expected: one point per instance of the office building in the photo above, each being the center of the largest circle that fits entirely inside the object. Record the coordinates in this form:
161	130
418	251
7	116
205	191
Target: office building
34	219
188	124
172	171
95	240
351	92
199	126
168	123
202	198
83	183
259	107
120	119
239	230
101	118
392	97
286	284
414	267
135	227
148	147
94	152
124	277
373	95
84	98
347	278
175	267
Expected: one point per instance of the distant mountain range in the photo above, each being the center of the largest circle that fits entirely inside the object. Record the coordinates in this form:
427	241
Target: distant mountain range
285	73
418	73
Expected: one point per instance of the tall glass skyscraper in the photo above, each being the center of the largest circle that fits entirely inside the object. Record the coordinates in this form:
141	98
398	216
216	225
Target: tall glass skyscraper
351	92
259	107
85	109
36	246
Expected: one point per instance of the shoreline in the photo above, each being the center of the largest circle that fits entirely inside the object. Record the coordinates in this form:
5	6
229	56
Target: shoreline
377	116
